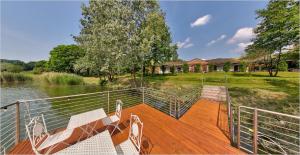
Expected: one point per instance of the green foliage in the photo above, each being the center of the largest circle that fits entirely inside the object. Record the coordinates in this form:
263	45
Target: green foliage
243	66
40	66
278	28
63	58
9	67
62	78
29	66
210	68
282	66
163	69
7	77
197	68
185	68
172	69
226	66
24	66
123	35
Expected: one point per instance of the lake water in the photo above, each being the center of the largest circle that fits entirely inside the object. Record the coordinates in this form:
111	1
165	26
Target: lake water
13	92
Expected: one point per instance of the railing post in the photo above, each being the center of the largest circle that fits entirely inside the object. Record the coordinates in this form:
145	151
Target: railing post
239	128
255	131
231	125
108	101
170	103
17	122
177	108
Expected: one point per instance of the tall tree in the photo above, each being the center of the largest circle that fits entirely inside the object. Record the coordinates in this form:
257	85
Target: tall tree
117	35
278	29
156	34
63	58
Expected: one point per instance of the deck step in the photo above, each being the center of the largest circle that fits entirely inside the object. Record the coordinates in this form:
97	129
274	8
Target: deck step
217	93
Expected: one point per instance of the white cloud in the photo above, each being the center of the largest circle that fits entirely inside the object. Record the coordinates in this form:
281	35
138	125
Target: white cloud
242	35
201	21
185	44
241	47
223	36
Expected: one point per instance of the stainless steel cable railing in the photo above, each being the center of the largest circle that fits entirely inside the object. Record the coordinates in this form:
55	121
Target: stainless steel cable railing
58	110
262	131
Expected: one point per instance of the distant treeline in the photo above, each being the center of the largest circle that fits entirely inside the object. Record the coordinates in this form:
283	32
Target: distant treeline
16	65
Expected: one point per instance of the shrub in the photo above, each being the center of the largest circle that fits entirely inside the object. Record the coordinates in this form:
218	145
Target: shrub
62	78
243	66
226	66
14	77
8	67
172	69
210	68
198	68
282	66
185	68
163	69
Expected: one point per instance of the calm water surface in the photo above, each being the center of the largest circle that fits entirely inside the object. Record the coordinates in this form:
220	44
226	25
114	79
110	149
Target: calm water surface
13	92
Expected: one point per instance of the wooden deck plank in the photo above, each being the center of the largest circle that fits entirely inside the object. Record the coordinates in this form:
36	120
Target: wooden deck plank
198	131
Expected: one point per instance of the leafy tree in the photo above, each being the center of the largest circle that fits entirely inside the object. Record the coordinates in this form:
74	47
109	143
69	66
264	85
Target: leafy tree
40	66
278	29
243	66
63	57
226	66
185	68
197	68
157	36
29	66
282	66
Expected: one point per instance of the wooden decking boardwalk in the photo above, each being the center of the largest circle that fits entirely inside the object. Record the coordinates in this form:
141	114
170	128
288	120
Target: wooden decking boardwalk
198	131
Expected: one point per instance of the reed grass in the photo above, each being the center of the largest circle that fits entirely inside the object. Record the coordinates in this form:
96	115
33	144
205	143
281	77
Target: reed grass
62	78
9	77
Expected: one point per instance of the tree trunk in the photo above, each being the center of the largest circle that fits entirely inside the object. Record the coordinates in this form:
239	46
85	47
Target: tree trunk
277	63
133	75
153	70
270	66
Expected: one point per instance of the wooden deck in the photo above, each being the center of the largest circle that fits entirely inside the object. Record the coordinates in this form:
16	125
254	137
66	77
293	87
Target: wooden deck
201	130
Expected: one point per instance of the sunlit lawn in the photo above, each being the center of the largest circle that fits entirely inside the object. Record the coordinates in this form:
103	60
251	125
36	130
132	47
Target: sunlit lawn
256	89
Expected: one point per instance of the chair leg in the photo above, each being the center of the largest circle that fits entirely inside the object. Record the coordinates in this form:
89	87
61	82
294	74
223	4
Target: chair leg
116	127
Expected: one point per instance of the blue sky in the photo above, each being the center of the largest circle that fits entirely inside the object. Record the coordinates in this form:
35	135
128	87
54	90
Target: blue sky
202	29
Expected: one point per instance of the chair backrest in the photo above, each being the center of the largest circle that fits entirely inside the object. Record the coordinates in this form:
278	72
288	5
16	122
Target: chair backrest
119	104
136	131
37	131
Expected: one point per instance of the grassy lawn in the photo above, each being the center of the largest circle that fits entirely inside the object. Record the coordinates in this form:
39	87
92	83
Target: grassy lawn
256	89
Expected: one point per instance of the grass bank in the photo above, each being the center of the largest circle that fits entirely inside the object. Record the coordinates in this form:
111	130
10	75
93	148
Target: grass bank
256	89
53	78
9	77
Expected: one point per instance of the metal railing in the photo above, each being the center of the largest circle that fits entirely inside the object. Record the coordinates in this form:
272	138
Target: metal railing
58	110
267	132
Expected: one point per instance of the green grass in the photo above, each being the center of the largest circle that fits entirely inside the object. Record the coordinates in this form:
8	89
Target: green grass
256	89
62	78
9	77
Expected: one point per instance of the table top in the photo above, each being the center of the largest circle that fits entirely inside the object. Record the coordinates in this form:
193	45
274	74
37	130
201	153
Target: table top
98	144
86	118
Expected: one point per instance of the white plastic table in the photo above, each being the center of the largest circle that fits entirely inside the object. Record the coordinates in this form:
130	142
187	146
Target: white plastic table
98	144
86	118
82	120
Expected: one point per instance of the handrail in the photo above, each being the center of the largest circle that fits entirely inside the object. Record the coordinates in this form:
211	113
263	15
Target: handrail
272	112
276	134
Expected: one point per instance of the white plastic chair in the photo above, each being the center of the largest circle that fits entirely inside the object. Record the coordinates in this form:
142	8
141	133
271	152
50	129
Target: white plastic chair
115	119
40	138
133	144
